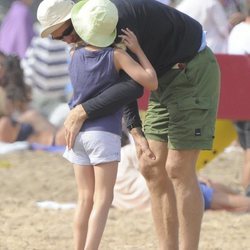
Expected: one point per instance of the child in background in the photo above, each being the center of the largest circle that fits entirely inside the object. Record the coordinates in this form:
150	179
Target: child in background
95	66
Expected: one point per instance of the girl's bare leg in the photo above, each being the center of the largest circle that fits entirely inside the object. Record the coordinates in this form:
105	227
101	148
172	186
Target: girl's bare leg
246	169
105	177
85	181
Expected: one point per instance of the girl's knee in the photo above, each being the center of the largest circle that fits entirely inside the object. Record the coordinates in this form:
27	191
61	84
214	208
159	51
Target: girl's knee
103	199
85	199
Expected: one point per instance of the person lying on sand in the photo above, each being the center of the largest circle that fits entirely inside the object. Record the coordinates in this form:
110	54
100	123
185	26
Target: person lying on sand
131	191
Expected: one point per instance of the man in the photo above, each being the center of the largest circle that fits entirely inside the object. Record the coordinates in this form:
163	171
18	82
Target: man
181	114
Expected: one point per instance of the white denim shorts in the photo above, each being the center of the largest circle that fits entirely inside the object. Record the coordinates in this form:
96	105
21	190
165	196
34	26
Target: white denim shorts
94	147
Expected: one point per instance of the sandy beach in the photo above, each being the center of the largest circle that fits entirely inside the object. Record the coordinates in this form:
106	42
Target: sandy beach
30	177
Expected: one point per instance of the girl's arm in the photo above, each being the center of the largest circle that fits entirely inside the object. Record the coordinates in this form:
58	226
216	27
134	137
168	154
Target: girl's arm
142	72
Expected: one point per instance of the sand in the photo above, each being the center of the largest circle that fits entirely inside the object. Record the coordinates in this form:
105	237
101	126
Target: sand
29	177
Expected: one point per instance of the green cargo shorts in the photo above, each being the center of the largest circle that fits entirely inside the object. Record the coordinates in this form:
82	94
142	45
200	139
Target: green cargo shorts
183	110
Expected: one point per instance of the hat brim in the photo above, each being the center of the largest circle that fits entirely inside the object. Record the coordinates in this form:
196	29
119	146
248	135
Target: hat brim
102	41
75	18
48	30
97	40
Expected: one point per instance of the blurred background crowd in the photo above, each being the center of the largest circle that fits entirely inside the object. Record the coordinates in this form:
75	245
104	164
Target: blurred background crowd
42	64
230	5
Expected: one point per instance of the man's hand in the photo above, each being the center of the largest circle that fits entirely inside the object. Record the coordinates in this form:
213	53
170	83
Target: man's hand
141	144
73	124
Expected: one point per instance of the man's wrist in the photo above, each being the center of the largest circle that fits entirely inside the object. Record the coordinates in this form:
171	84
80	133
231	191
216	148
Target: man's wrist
134	125
137	132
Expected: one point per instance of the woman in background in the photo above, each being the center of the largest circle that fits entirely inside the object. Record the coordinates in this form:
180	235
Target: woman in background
18	122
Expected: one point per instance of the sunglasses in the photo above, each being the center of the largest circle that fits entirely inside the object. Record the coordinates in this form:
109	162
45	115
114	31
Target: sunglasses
66	32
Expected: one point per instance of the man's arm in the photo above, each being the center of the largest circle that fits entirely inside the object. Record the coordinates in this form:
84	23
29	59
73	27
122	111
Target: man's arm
107	102
132	116
113	98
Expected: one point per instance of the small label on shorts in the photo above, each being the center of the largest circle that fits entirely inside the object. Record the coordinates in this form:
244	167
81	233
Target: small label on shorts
197	132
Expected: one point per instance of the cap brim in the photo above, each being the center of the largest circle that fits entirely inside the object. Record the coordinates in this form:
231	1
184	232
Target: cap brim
48	30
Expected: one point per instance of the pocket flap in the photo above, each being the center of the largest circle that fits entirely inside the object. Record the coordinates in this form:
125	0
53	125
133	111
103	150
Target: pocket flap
194	103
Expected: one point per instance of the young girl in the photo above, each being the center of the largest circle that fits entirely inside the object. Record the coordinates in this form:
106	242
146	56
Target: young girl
96	152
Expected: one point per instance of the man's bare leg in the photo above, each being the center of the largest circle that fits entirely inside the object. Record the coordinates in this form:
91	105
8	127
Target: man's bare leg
246	169
162	196
181	170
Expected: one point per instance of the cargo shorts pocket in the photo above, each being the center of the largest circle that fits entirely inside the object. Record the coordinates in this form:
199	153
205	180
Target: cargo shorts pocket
194	103
191	119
